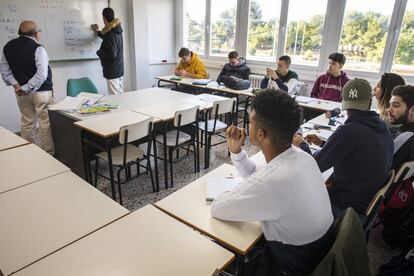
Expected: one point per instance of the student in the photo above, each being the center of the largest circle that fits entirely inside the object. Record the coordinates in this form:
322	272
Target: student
401	111
25	66
282	78
360	151
111	51
329	86
287	195
190	66
382	92
235	73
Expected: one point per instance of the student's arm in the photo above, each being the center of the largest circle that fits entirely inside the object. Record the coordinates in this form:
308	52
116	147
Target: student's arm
281	85
246	73
264	83
222	73
291	84
245	167
200	71
42	62
99	33
315	88
6	72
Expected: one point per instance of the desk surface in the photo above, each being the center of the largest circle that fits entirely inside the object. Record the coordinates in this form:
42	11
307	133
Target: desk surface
26	164
189	206
163	111
145	242
322	105
43	217
109	125
10	140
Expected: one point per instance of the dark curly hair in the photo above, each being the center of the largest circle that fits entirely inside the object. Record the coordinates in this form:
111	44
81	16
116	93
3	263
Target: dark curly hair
278	114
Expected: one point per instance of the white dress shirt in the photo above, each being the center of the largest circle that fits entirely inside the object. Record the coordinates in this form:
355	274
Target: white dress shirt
287	195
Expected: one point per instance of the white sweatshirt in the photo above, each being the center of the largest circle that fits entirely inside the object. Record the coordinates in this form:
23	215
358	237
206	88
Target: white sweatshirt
287	195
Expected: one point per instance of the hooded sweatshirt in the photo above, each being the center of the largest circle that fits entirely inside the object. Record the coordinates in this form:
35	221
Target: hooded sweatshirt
111	51
195	66
361	153
328	87
240	71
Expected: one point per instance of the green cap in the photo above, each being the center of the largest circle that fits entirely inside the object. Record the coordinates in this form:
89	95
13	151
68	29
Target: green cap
356	94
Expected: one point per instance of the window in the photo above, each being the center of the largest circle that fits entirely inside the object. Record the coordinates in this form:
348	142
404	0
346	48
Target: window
194	25
263	29
304	31
404	56
223	27
364	33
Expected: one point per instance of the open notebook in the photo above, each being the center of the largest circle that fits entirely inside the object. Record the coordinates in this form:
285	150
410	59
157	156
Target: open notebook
218	185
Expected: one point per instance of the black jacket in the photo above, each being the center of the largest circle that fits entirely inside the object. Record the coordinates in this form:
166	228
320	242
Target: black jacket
361	153
111	51
240	71
406	151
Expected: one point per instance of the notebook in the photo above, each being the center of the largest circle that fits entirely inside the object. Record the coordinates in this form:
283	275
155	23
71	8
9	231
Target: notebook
218	185
201	81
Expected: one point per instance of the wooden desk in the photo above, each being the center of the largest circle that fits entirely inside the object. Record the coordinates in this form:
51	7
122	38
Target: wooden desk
10	140
145	242
189	206
26	164
164	111
45	216
321	105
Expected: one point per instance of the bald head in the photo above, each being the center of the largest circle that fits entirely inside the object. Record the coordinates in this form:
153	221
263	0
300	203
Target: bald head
28	28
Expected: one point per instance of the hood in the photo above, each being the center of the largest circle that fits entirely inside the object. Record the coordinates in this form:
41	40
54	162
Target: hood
114	25
341	76
368	118
241	64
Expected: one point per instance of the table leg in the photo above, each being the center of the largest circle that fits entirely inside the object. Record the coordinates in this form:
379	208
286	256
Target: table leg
111	168
239	264
85	157
157	181
165	156
206	149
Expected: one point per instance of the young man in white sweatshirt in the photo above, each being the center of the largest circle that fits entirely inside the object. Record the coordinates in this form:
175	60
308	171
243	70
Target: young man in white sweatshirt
287	195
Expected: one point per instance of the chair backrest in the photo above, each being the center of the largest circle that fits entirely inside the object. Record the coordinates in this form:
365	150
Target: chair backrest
224	106
348	254
404	172
75	86
379	196
135	131
186	116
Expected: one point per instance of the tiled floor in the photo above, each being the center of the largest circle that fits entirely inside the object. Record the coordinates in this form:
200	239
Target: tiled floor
138	193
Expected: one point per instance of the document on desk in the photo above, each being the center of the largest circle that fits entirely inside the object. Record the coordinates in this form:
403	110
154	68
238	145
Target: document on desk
218	185
68	104
324	134
302	99
210	98
89	99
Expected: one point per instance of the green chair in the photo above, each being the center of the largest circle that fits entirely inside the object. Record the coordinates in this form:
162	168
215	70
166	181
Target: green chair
75	86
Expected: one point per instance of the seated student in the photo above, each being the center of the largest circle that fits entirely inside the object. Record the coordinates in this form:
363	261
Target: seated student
287	195
401	111
235	73
382	92
190	66
282	78
360	151
329	86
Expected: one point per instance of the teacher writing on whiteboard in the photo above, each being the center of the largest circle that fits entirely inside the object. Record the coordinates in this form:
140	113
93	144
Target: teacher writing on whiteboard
25	66
111	51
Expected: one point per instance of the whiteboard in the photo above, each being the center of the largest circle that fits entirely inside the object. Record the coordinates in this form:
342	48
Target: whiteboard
66	25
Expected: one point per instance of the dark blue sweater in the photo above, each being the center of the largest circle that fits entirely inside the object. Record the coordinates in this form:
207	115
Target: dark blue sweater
361	153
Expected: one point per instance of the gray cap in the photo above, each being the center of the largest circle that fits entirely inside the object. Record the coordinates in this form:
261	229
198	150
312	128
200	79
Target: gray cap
356	94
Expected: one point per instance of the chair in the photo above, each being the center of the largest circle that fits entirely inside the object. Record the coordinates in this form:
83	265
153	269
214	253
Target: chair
375	205
75	86
177	138
127	154
210	127
348	254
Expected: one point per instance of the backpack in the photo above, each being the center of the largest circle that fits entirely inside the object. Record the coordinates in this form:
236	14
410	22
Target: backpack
400	265
235	83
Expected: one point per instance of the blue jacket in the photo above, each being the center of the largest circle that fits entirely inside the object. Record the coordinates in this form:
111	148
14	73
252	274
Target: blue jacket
361	153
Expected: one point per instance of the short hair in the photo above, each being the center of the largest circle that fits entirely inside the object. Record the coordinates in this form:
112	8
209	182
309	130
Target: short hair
388	82
233	54
286	59
338	57
109	14
406	92
279	114
184	52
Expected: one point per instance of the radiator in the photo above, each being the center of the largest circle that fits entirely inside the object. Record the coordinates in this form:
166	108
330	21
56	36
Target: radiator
255	80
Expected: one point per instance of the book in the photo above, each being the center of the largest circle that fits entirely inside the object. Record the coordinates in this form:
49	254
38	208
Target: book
218	185
201	81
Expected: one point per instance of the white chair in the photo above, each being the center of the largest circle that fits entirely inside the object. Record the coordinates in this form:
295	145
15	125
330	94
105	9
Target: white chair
177	138
214	126
127	154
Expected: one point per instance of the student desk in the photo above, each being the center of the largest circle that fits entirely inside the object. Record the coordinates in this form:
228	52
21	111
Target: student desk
10	140
106	128
145	242
189	206
26	164
40	218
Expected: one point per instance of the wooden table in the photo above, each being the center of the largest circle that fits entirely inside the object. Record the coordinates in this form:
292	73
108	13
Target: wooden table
145	242
26	164
10	140
189	206
40	218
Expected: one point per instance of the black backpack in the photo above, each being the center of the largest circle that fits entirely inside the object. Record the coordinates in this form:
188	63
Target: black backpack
399	227
401	265
234	82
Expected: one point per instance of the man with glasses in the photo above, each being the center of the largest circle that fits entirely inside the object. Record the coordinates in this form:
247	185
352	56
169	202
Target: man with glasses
25	66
